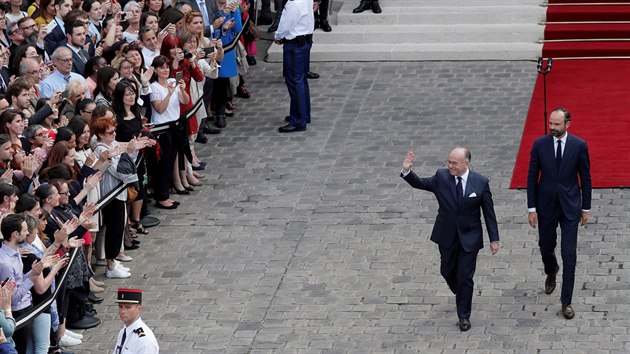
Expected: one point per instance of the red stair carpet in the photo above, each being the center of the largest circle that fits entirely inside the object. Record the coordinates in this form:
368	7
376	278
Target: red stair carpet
594	90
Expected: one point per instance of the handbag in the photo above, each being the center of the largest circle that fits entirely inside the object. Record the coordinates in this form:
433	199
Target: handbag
132	194
252	33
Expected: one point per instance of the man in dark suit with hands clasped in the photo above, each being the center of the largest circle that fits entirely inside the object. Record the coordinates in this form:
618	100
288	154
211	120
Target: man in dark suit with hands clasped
461	194
555	197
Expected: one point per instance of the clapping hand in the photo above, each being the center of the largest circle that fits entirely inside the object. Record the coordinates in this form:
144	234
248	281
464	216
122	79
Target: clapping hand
146	75
92	181
8	175
75	242
50	260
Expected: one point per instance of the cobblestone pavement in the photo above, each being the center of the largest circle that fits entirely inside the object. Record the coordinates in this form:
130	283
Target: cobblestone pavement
311	243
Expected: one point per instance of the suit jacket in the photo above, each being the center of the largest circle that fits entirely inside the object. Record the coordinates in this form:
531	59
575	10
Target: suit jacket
547	186
54	39
211	7
462	221
4	72
78	66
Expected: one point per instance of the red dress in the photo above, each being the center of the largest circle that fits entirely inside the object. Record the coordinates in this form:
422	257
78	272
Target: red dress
188	72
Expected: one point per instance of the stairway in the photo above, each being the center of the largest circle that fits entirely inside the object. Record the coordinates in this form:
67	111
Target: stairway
419	30
578	29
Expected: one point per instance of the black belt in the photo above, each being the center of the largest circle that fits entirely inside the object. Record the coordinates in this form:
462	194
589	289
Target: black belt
306	38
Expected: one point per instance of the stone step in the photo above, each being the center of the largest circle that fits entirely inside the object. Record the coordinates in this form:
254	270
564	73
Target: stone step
413	15
417	52
456	33
452	3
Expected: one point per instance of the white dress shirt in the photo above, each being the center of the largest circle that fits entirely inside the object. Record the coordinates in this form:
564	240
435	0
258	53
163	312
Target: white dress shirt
297	20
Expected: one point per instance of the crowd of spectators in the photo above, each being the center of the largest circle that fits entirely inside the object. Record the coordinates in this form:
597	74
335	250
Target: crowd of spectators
101	105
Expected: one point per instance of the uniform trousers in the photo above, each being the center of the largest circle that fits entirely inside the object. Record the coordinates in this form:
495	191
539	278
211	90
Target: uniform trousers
296	60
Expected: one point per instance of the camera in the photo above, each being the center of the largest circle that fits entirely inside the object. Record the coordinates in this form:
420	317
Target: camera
188	54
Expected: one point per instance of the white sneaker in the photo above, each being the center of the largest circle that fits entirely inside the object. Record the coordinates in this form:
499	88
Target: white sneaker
67	341
73	334
124	258
117	273
121	267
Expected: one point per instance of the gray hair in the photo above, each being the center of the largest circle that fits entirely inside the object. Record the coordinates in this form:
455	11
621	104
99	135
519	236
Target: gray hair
57	53
25	65
131	4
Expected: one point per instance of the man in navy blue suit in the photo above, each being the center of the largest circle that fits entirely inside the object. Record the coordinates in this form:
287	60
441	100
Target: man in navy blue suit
461	194
555	197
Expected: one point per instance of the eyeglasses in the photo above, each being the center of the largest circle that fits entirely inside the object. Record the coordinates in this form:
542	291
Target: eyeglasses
454	163
66	60
33	26
33	72
113	132
40	134
88	112
15	31
64	193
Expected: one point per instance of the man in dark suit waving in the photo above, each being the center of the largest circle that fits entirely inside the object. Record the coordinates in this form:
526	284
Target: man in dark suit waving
461	194
556	197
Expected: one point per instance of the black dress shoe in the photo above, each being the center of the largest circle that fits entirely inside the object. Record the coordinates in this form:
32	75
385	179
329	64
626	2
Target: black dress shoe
189	188
135	242
311	75
94	299
220	122
325	26
550	283
376	8
290	129
209	129
181	192
149	221
201	139
251	61
363	5
131	248
84	323
568	312
264	20
162	206
464	324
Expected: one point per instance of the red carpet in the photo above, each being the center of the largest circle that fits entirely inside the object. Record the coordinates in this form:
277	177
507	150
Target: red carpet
594	91
597	97
579	13
587	31
586	1
596	94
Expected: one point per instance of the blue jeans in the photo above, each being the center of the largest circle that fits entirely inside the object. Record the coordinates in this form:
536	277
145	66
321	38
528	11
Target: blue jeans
296	58
40	335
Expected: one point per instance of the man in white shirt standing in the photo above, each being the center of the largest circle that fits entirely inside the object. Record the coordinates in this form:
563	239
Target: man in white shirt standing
136	337
295	34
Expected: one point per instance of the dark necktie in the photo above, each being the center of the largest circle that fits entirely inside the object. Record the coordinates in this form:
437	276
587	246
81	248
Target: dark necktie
122	342
82	55
460	190
559	155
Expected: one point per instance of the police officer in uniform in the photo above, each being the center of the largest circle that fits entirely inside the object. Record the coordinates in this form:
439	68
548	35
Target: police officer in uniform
295	34
135	337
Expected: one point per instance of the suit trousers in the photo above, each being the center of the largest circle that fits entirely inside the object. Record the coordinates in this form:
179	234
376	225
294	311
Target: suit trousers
296	60
547	241
458	269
